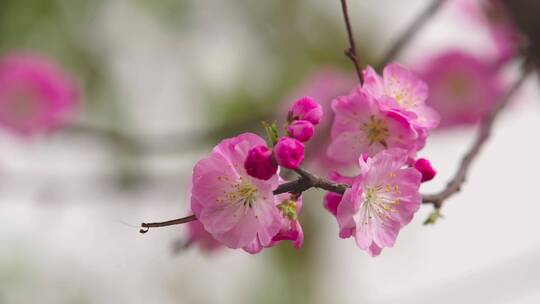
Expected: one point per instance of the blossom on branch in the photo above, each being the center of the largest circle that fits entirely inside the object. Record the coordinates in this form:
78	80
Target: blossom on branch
235	208
382	200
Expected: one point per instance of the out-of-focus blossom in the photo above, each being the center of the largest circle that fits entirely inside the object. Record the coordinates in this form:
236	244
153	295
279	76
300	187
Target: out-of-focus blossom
424	167
463	88
401	89
301	130
289	152
363	125
381	201
306	108
260	163
36	96
200	237
236	209
493	15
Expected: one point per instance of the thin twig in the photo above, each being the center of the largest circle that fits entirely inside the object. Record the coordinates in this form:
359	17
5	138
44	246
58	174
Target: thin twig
454	185
146	226
351	51
410	32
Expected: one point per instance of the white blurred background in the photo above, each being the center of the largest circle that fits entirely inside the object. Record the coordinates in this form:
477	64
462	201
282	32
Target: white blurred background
69	225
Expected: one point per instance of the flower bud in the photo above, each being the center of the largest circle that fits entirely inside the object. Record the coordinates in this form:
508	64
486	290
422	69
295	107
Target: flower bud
289	152
306	108
301	130
259	163
424	166
331	202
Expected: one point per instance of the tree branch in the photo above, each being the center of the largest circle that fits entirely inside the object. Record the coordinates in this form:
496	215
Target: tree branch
410	32
454	185
351	51
304	182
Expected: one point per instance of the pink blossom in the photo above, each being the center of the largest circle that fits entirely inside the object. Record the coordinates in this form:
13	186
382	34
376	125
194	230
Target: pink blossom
463	88
381	201
290	230
36	96
424	167
260	163
401	89
363	125
236	209
289	152
301	130
306	108
197	235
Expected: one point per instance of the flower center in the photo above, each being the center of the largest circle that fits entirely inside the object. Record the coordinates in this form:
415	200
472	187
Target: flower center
243	192
376	130
379	203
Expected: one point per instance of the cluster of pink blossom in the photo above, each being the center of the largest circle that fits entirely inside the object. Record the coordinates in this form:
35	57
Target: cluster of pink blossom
380	126
378	129
36	97
232	193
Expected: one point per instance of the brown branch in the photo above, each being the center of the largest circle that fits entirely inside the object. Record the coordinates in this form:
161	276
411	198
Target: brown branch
183	220
410	32
454	185
351	51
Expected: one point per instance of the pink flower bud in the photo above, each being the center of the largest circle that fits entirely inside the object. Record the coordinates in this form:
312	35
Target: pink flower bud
424	166
306	108
301	130
259	163
289	152
331	202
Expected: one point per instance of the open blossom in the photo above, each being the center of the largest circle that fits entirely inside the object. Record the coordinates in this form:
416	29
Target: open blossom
363	125
463	88
259	163
306	108
290	230
35	95
381	201
402	89
289	152
235	208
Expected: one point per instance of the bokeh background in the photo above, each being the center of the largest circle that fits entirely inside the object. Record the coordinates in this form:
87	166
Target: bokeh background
163	81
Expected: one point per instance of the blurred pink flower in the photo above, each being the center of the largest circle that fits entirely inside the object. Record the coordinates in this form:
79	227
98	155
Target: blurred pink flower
463	88
36	97
381	201
363	125
236	209
401	89
198	236
493	15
